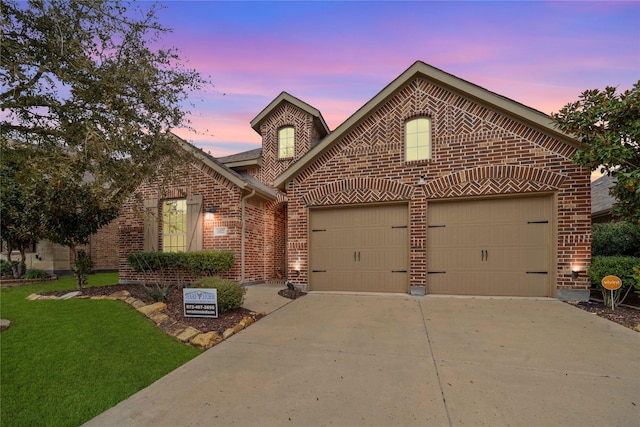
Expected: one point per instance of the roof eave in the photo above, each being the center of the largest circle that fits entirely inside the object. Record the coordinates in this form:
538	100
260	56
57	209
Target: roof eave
243	163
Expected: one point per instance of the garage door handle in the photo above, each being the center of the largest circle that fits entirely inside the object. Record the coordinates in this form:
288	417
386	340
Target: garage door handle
537	272
318	271
398	271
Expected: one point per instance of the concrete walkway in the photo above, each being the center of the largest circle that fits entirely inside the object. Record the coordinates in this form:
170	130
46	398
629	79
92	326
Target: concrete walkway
372	360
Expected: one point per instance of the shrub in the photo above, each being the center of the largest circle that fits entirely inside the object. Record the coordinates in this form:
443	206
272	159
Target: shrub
197	263
5	268
209	263
36	274
621	266
230	293
145	261
616	238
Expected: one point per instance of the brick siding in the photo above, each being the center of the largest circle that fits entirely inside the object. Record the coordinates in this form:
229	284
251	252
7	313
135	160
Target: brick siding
477	151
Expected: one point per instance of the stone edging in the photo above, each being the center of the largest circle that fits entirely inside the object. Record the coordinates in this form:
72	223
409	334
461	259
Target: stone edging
155	312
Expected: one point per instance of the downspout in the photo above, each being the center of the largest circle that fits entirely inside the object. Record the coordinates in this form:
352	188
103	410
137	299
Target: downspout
244	198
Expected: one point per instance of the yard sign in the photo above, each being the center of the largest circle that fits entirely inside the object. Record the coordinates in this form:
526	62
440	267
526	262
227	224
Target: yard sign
612	283
200	302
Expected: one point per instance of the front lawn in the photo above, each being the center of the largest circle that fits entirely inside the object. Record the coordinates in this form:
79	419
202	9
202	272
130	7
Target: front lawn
62	362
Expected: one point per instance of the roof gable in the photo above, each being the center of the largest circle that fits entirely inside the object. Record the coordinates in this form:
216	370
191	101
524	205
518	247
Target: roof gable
318	120
241	181
530	116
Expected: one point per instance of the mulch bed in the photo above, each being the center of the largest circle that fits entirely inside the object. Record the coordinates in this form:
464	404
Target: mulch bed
175	308
625	316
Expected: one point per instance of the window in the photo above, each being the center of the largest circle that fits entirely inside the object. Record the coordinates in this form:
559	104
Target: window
174	225
286	146
417	139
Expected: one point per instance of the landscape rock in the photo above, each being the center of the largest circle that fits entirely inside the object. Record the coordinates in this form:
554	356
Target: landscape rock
134	302
188	333
33	297
246	321
4	324
148	309
637	328
228	333
206	341
120	295
160	318
71	295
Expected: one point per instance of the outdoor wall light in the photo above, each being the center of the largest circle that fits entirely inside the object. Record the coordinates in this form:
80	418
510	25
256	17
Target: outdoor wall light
421	180
575	271
208	213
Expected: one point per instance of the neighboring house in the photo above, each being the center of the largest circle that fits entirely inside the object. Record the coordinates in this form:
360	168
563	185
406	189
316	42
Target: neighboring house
56	259
601	200
434	186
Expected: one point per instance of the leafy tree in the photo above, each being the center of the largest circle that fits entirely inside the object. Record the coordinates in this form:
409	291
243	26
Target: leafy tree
609	124
84	88
21	222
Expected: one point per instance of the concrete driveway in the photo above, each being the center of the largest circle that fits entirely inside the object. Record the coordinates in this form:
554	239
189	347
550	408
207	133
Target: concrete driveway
383	360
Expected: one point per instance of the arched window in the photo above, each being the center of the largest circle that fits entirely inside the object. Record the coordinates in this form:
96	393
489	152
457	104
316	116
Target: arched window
417	139
286	139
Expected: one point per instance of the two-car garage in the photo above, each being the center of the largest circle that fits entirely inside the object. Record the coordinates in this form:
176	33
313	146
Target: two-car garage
500	246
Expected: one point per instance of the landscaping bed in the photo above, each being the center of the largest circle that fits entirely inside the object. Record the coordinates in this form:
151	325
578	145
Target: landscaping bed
174	308
627	314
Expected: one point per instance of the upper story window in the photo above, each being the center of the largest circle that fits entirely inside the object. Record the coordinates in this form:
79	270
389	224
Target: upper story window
286	147
417	139
174	225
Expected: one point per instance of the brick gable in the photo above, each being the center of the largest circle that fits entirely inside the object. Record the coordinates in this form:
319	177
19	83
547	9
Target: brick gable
477	151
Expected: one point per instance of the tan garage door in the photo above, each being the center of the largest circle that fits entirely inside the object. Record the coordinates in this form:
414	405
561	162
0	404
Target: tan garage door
490	247
364	249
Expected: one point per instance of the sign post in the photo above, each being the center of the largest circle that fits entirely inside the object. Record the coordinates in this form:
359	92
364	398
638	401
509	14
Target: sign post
612	283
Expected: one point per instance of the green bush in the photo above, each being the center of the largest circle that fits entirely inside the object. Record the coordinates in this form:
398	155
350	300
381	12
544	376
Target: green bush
197	263
616	239
230	293
209	263
145	261
36	274
621	266
5	267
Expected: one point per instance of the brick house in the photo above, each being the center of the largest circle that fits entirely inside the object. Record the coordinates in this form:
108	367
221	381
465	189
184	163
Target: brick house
434	186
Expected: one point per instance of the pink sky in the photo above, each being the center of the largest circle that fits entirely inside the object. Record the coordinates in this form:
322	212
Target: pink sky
338	55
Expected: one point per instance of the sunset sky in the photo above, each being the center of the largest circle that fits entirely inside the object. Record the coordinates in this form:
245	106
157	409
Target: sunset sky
337	55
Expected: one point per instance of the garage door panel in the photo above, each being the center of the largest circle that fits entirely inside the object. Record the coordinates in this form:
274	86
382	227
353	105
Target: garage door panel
454	282
487	247
359	248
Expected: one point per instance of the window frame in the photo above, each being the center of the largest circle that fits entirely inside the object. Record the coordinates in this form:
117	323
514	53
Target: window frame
174	237
291	143
417	145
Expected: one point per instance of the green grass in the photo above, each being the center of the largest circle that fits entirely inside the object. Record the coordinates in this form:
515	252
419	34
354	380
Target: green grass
64	362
